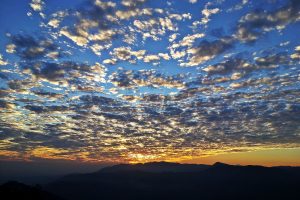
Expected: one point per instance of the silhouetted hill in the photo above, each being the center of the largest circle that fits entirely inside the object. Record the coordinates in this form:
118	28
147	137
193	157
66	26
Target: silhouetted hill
181	181
155	167
14	190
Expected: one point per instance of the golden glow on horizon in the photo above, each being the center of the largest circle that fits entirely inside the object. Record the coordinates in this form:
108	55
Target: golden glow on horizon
265	157
245	156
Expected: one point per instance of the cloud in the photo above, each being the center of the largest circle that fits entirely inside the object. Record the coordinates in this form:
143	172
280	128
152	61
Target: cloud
229	66
134	12
193	1
54	23
274	60
110	61
238	6
58	97
132	3
151	58
82	37
125	53
296	55
187	41
145	78
207	13
6	105
57	18
155	27
96	15
67	71
104	35
77	39
2	62
11	48
185	45
238	67
37	5
105	5
164	56
99	100
30	48
208	50
173	37
97	23
254	24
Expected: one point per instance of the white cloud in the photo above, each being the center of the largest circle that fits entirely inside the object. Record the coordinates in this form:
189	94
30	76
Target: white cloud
127	14
37	5
151	58
164	56
11	48
207	13
102	35
79	40
105	5
173	37
126	53
193	1
2	62
54	23
110	61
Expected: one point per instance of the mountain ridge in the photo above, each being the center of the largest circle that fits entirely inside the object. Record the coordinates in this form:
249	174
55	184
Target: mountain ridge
155	167
181	181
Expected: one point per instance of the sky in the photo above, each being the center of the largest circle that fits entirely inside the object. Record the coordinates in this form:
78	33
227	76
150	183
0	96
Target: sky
95	81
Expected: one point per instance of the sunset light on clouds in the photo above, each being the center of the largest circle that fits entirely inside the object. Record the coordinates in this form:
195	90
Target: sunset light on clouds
138	81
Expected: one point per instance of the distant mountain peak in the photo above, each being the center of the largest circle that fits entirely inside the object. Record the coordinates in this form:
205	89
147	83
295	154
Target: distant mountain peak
159	163
220	164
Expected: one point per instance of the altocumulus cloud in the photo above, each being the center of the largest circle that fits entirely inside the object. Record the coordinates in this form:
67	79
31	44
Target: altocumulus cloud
128	80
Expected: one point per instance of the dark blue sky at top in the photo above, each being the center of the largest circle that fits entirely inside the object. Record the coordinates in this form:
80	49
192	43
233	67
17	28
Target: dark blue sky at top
108	79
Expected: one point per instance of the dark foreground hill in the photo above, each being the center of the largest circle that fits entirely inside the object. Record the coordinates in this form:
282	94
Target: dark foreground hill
180	181
17	191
